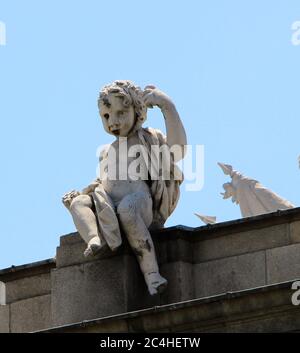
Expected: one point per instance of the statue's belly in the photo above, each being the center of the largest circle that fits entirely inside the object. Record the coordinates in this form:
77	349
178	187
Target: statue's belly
118	189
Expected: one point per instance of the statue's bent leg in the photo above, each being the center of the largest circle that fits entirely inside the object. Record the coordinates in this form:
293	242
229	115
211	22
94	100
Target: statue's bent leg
86	223
135	214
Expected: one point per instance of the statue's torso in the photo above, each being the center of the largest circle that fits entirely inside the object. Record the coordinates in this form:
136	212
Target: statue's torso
122	177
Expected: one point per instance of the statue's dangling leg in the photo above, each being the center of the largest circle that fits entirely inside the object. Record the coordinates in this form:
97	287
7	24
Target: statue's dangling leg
85	221
135	214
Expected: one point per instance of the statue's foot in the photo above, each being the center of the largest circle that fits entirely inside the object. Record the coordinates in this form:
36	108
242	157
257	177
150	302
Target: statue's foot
95	247
156	283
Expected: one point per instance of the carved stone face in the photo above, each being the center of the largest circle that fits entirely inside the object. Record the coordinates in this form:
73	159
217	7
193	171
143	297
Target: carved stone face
117	119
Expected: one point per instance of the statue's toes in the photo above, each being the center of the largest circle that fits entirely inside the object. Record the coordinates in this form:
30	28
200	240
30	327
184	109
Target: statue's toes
161	285
88	252
158	285
95	249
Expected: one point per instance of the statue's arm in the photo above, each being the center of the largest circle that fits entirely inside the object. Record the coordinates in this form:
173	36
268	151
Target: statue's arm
175	131
176	135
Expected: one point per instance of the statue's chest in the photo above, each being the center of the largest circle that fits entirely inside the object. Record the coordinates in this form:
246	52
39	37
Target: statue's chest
126	151
125	157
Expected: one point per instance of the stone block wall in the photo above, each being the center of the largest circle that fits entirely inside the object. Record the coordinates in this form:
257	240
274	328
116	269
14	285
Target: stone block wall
28	297
198	263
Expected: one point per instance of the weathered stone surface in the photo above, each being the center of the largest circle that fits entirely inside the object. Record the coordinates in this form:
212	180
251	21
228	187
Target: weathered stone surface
28	287
263	309
295	232
241	243
173	250
27	270
276	322
136	294
71	254
120	326
198	263
283	263
31	314
70	238
88	291
180	282
230	274
4	318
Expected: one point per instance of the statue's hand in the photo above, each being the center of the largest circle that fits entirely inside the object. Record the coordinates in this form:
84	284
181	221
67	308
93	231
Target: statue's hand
69	197
91	188
155	97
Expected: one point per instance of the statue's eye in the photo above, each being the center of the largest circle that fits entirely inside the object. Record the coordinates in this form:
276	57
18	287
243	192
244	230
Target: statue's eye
106	116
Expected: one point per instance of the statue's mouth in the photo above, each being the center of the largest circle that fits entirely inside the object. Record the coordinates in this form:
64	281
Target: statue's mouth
116	132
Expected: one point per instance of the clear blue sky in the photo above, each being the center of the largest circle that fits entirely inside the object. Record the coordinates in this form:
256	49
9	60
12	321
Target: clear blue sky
229	66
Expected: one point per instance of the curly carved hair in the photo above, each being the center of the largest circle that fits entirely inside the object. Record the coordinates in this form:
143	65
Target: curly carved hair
131	94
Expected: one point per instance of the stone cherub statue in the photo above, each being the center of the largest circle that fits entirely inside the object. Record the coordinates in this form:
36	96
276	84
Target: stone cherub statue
131	203
252	197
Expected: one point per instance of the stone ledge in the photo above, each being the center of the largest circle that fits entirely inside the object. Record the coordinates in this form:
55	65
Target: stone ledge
211	231
202	244
197	262
230	256
32	269
261	309
189	234
28	287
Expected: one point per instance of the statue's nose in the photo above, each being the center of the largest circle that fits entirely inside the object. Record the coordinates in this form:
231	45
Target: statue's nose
114	126
114	121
